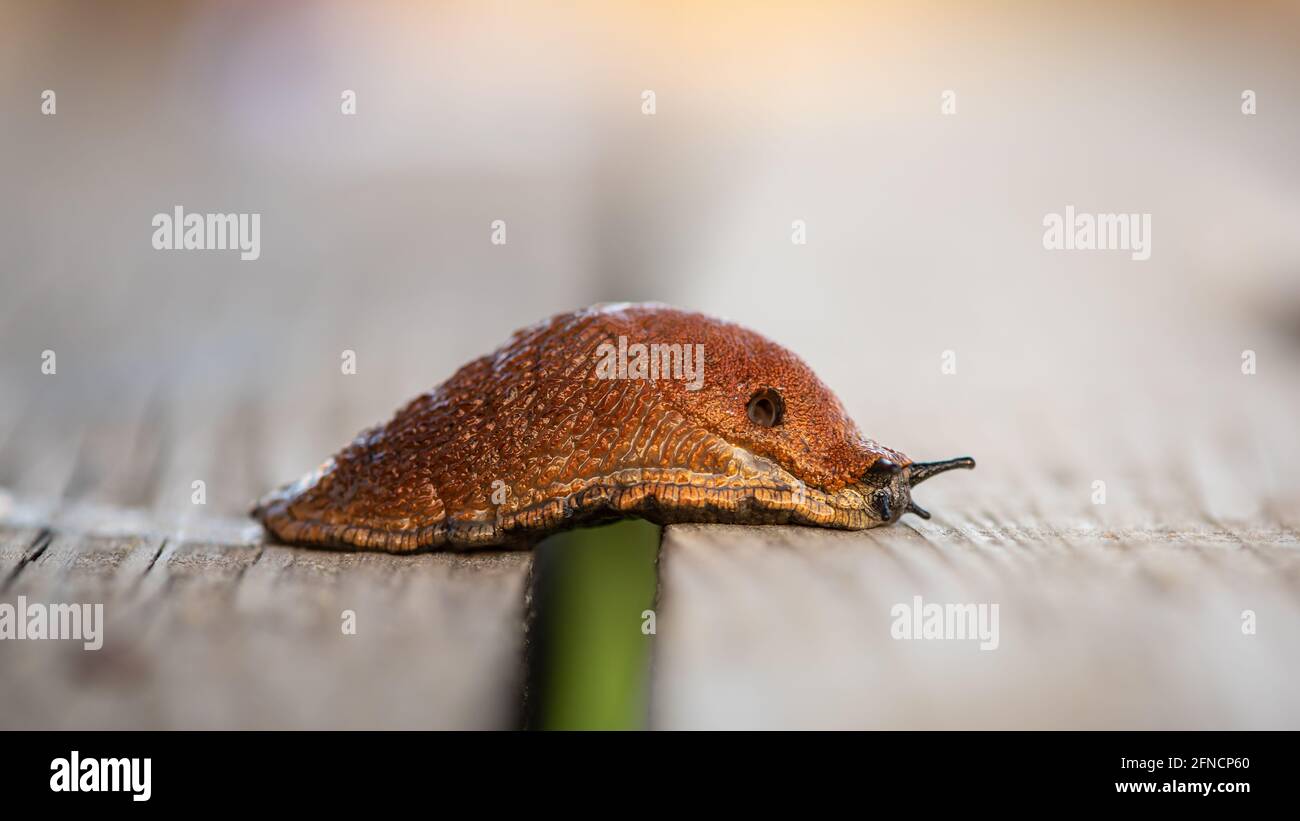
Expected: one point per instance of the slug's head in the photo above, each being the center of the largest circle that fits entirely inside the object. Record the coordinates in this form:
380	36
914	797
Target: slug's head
779	424
762	398
887	486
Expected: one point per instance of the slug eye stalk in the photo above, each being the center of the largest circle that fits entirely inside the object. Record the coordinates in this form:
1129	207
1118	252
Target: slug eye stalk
920	471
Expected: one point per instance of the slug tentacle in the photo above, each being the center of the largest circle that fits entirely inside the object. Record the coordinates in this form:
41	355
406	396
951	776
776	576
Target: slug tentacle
913	507
611	411
920	471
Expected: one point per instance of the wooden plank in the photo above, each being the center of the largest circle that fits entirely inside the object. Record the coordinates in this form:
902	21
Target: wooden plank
209	628
790	628
18	546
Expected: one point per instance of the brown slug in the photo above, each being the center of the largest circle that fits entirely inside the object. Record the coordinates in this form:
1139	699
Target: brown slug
616	410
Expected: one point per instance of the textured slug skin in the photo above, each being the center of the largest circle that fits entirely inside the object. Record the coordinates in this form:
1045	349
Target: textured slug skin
562	447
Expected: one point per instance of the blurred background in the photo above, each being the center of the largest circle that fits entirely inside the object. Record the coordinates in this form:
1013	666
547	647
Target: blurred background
924	229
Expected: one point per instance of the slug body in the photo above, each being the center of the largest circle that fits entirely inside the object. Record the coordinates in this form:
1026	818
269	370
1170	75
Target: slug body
618	410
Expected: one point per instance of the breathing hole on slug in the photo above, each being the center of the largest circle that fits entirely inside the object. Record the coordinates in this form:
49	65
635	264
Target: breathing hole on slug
766	408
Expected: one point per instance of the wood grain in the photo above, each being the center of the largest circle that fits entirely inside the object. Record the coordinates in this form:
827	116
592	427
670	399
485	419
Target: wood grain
785	628
210	634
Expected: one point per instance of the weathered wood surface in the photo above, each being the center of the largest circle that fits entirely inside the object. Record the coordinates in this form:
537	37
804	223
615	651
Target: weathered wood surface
211	628
791	629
